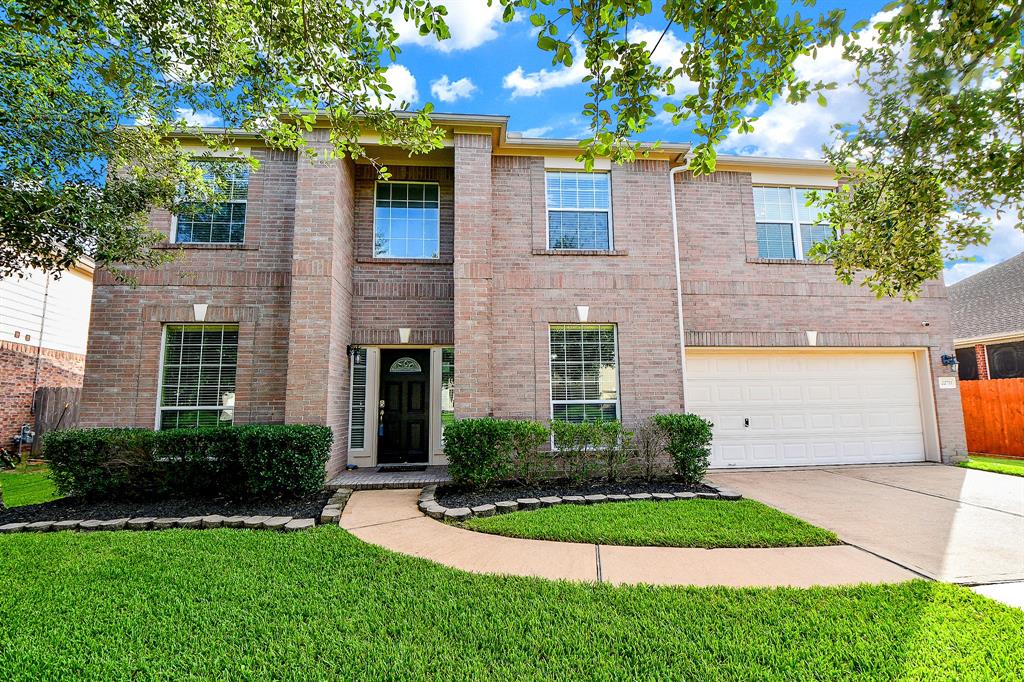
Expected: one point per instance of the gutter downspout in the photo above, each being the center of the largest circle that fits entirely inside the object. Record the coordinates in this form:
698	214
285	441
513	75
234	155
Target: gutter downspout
679	275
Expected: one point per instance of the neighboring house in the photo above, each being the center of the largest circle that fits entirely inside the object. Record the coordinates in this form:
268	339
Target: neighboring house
44	323
495	277
988	322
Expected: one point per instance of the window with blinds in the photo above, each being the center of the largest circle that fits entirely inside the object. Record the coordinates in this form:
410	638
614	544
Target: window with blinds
357	411
584	372
579	210
787	228
197	379
447	387
218	222
407	220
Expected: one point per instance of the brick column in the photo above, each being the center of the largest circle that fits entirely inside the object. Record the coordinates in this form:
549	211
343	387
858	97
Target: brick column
982	358
473	271
321	296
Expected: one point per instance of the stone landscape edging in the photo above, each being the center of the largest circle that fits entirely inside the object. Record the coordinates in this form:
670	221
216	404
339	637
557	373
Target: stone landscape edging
331	514
429	506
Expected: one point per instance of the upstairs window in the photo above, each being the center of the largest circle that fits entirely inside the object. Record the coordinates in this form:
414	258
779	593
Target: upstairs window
584	373
218	222
407	220
197	379
787	227
579	211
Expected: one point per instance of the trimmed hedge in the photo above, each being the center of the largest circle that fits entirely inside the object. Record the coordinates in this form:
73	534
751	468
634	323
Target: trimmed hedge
485	451
688	442
259	460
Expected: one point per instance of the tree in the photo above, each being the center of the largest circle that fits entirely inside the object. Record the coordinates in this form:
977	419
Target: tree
739	53
939	149
75	180
937	153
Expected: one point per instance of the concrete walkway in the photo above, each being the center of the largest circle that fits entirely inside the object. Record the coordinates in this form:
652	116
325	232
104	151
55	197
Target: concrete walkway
948	523
390	519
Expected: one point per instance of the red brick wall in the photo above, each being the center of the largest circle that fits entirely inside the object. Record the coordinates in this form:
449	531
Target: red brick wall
981	354
732	298
248	284
392	293
18	375
531	290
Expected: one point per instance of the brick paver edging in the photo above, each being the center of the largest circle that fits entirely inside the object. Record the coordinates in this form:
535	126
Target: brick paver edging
331	514
430	507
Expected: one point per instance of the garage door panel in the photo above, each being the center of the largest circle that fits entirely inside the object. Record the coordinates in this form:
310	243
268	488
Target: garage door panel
808	408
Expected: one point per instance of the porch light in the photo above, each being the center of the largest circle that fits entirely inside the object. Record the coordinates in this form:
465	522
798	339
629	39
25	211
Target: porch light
951	362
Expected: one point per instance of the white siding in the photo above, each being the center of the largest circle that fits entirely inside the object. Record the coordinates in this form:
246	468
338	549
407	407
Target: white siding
67	304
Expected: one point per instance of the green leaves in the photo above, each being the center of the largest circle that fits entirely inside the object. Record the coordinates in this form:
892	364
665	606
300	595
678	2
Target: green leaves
75	182
938	152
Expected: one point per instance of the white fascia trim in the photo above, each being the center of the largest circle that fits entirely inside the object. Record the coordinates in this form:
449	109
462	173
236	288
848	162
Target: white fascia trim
992	338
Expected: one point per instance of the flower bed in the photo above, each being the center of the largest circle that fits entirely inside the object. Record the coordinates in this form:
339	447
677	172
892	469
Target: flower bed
436	501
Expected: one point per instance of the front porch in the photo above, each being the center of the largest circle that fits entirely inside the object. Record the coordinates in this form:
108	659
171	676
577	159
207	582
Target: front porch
372	478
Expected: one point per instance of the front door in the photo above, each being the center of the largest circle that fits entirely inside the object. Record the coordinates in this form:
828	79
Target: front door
404	409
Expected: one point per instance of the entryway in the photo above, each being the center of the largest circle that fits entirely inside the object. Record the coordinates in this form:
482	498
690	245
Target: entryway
403	435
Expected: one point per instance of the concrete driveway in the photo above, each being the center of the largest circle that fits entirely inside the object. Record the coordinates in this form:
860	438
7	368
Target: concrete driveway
944	522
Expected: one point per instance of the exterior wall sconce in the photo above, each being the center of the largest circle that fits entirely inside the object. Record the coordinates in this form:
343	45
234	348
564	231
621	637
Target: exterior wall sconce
951	362
404	333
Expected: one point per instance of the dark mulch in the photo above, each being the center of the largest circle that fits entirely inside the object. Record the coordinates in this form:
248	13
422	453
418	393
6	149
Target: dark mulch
76	508
452	496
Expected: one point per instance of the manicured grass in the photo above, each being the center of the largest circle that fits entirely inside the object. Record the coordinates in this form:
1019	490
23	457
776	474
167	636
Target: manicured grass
229	604
27	486
684	523
1000	465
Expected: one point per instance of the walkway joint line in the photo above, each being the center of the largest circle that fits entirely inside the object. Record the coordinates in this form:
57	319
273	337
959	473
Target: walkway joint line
597	558
382	523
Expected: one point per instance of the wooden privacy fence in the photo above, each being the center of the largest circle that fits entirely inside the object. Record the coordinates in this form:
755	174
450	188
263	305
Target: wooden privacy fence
55	408
994	416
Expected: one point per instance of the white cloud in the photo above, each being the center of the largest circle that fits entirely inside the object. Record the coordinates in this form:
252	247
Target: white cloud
451	91
534	83
1007	241
666	55
202	119
470	22
539	131
800	130
403	84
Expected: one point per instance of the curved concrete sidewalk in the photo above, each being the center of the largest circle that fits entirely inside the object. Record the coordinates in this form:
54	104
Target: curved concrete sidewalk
390	519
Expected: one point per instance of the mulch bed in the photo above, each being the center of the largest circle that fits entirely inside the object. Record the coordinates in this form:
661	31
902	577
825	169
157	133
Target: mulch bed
76	508
452	496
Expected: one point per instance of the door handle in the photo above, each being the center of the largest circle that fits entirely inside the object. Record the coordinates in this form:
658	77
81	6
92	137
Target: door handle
746	422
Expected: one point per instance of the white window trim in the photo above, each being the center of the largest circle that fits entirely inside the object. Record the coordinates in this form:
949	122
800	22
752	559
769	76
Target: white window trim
438	226
798	241
366	392
160	409
618	375
548	210
245	223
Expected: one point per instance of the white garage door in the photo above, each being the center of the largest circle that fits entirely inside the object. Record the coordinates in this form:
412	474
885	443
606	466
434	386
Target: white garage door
801	408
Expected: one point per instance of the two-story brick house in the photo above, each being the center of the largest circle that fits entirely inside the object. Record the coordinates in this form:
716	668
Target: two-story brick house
495	277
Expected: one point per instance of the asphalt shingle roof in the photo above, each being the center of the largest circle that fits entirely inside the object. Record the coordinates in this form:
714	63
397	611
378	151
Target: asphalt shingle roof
990	302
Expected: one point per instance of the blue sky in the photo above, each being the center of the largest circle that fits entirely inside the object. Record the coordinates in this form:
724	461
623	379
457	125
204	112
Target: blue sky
489	67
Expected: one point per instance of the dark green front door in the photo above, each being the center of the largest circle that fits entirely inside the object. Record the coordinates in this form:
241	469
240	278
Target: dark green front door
404	410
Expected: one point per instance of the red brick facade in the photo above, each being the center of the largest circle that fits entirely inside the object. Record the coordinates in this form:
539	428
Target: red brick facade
305	286
18	364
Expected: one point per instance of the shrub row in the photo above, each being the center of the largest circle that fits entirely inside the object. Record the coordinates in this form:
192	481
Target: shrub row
259	460
484	451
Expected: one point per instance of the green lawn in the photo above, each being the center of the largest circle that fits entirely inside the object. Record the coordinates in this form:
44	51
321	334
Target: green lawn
1000	465
27	486
230	604
684	523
